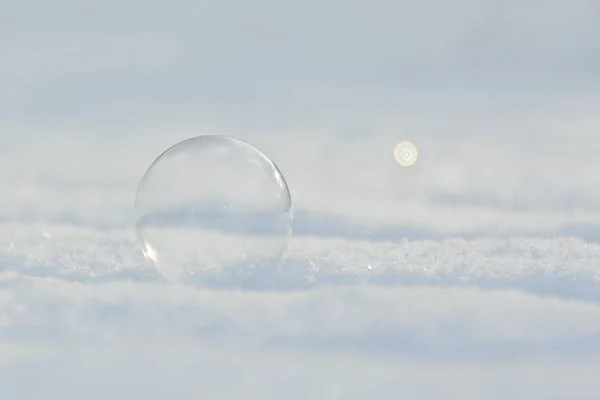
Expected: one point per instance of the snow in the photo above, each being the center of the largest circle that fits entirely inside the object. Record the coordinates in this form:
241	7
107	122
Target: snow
84	314
473	274
502	305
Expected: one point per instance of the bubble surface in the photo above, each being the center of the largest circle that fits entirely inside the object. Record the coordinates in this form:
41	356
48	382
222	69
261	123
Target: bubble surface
212	202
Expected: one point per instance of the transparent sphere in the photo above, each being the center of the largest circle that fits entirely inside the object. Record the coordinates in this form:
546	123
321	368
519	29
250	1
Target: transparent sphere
212	202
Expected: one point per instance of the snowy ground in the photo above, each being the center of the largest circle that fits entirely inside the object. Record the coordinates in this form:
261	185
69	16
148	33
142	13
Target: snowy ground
474	274
456	278
83	315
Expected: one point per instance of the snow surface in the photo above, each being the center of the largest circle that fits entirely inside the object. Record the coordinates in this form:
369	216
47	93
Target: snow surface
386	290
472	275
84	315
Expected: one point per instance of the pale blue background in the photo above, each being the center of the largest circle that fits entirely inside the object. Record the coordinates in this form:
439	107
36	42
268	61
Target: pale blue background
472	275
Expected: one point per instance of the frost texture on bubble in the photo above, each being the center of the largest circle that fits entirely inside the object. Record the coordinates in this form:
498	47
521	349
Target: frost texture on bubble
212	202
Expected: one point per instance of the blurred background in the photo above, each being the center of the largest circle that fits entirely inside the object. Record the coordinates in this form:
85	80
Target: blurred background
500	98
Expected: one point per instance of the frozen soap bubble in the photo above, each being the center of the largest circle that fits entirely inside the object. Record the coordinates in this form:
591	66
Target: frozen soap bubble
212	202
